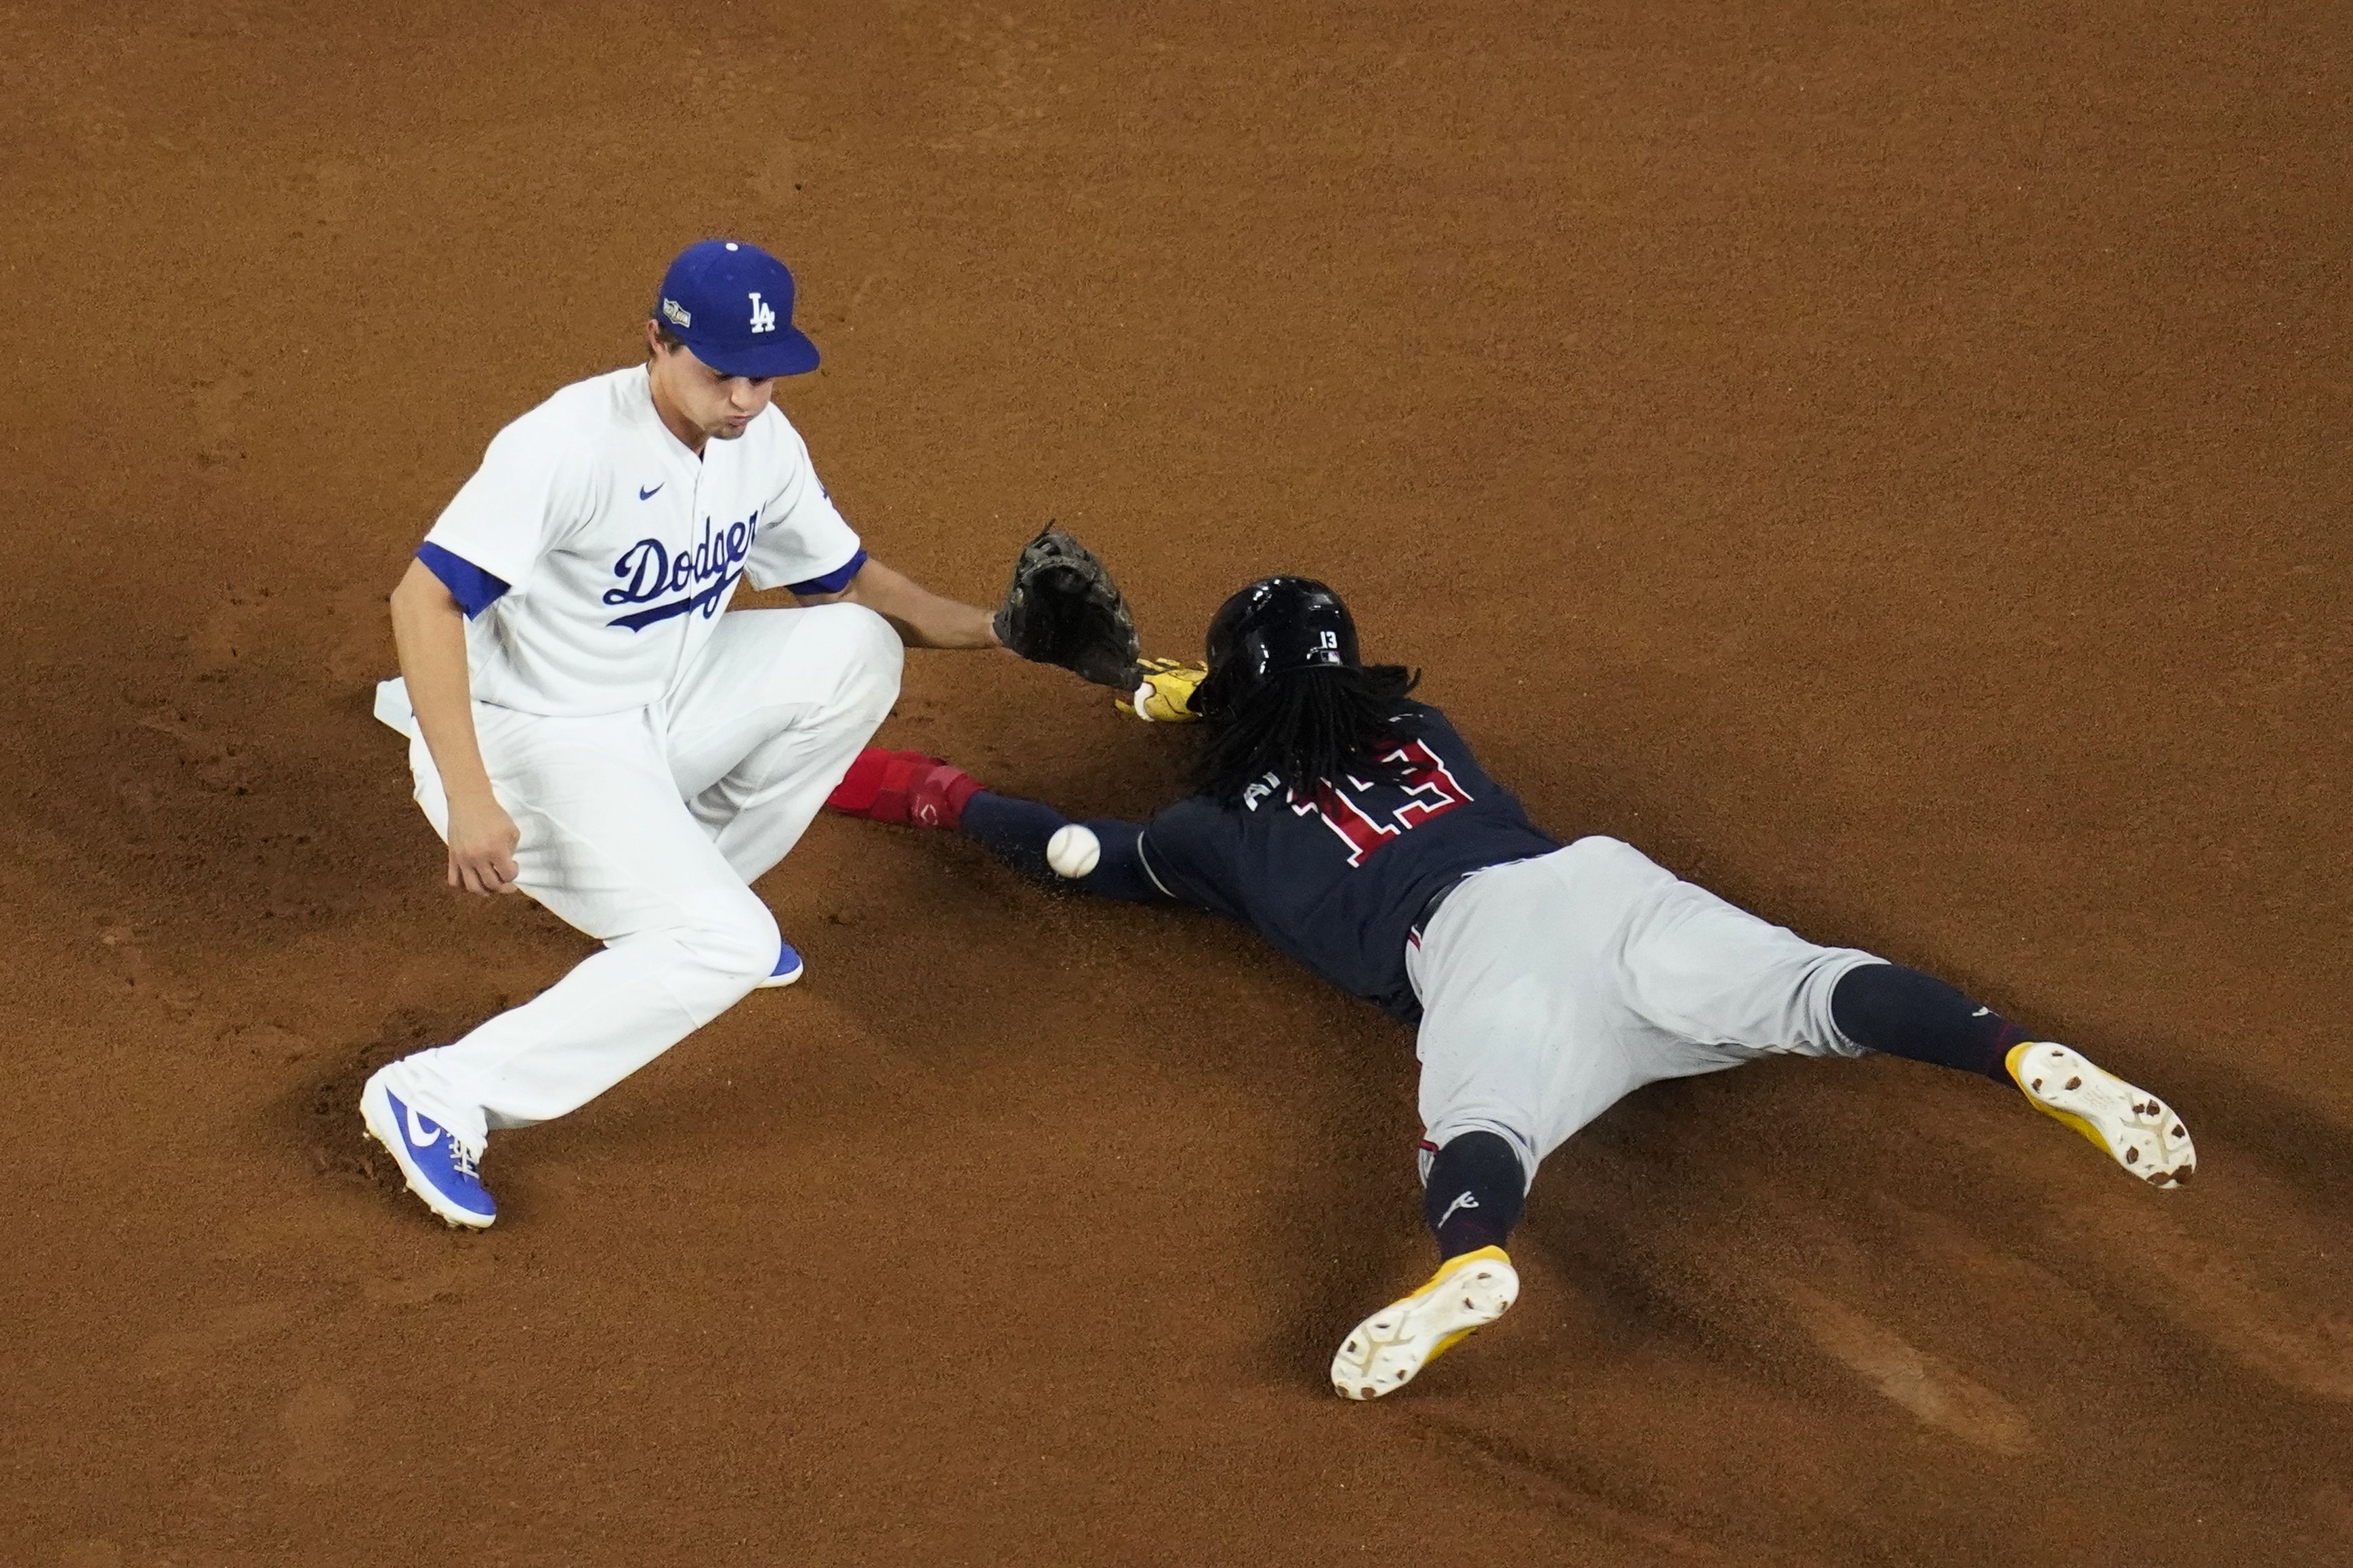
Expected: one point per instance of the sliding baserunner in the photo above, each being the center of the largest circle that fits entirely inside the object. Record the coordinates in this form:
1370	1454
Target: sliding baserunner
1352	828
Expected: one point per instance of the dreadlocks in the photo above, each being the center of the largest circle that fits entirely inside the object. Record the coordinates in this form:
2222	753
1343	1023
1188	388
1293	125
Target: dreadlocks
1306	726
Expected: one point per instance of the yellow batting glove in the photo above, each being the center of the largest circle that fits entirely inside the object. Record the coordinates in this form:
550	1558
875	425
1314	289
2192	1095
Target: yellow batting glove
1165	695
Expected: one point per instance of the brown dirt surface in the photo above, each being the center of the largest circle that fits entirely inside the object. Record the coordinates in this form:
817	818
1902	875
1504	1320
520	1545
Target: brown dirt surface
1889	461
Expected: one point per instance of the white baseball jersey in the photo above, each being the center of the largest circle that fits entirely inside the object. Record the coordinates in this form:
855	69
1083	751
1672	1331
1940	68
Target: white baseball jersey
592	553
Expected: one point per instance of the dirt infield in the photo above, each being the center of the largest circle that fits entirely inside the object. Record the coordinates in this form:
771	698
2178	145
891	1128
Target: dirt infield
1888	461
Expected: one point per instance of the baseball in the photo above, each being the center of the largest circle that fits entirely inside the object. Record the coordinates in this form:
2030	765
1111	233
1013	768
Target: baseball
1073	850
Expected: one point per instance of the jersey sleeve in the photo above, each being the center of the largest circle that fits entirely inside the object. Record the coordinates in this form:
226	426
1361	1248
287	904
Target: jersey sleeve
1019	831
535	487
1185	849
803	545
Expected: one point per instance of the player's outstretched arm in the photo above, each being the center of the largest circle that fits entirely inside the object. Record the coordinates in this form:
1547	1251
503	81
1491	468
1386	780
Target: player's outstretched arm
922	618
430	630
1102	857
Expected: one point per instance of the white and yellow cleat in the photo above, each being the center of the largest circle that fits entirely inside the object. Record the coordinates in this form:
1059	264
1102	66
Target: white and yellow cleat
2139	1131
1384	1352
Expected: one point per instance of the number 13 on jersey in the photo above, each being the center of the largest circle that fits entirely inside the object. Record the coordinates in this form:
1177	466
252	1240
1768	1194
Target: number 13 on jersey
1366	814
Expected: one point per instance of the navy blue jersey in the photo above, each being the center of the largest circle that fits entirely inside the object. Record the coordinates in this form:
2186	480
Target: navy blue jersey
1338	881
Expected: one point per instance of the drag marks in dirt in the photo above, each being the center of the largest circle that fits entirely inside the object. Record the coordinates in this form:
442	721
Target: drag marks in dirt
2037	1330
2244	1303
1563	1484
2096	1255
1931	1390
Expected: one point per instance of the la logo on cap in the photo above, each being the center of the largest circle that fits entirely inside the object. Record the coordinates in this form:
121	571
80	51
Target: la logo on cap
731	303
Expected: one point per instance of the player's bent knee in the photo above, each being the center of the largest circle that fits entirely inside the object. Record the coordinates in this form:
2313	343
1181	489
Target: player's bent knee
871	642
740	943
866	650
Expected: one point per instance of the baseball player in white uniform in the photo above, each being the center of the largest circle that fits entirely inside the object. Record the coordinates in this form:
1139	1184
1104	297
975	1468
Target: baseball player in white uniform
588	727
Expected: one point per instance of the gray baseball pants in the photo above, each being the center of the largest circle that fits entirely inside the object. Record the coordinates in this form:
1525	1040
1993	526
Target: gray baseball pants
1553	987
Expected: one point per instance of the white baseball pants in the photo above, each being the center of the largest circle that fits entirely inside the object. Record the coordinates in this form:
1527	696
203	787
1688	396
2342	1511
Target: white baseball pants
645	829
1552	988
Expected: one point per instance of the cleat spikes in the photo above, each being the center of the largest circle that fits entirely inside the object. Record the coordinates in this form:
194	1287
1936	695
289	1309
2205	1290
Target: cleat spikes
1390	1347
2131	1126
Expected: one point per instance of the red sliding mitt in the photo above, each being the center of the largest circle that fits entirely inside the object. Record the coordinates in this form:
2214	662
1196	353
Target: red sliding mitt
903	786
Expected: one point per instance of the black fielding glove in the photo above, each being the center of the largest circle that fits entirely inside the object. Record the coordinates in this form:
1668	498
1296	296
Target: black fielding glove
1064	609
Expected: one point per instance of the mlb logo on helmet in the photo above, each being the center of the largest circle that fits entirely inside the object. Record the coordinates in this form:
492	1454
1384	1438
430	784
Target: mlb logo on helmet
731	303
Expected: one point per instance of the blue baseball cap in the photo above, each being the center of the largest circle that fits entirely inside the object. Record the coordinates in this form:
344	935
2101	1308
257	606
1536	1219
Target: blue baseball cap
731	303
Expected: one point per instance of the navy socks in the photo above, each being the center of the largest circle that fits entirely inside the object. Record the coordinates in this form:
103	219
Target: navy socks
1887	1007
1475	1194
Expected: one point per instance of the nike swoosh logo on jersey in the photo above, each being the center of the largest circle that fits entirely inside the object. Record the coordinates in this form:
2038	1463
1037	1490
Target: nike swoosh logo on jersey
648	495
417	1133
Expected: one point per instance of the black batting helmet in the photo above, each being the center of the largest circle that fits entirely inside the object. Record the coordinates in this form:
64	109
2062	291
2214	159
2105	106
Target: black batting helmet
1275	626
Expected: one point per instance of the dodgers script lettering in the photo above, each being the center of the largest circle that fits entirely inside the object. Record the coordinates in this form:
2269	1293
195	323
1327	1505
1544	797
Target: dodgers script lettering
651	571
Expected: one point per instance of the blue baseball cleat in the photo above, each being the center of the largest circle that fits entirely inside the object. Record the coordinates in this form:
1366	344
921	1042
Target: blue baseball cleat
439	1168
788	968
